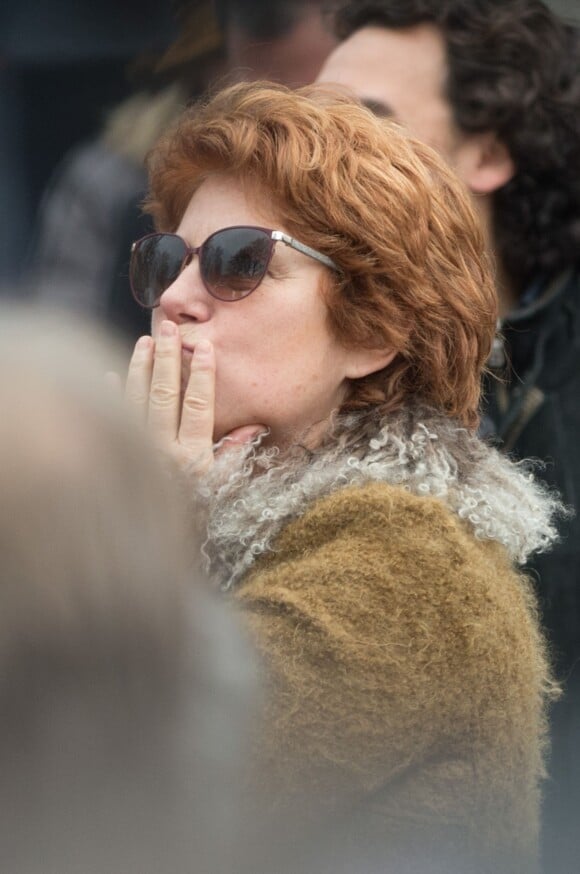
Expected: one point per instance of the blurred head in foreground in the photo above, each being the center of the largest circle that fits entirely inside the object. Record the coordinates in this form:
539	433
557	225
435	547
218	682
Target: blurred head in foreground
122	688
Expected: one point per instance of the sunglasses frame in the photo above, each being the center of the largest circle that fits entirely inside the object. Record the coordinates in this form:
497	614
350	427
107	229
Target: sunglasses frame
190	251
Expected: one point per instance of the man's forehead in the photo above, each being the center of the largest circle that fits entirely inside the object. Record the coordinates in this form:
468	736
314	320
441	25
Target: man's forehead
402	74
382	65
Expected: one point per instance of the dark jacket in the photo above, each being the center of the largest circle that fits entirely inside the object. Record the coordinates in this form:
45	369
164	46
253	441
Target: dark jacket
536	413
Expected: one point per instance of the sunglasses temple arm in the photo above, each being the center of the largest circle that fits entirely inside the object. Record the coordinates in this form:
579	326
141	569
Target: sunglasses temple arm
306	250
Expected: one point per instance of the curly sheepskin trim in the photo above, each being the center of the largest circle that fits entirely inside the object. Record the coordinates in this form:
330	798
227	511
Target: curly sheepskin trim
251	495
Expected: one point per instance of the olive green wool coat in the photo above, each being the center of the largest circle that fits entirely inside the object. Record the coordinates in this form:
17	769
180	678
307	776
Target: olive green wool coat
405	675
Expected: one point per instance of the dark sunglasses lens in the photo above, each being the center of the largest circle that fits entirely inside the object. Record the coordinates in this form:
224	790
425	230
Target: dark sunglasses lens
155	263
234	261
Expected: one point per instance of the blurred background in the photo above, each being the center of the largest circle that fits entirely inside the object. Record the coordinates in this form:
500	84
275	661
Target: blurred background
63	65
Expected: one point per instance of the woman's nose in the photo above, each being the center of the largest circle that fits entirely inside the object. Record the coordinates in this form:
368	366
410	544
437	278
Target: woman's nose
187	298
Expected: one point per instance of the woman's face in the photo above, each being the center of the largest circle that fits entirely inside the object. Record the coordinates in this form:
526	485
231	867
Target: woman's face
278	364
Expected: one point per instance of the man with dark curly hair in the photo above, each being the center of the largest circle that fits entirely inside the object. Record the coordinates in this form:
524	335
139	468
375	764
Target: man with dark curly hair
494	85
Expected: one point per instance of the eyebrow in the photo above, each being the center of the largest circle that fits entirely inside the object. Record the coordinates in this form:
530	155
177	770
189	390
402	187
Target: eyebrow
383	110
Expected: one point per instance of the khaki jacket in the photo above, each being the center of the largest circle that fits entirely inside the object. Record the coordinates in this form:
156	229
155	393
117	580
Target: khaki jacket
405	678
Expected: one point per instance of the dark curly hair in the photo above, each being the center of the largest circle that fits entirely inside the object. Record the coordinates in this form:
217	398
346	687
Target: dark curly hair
514	68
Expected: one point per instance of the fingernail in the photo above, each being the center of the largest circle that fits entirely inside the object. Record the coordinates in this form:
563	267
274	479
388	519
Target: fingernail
168	329
144	342
202	348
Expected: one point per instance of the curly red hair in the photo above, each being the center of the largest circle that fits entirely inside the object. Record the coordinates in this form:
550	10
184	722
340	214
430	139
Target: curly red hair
383	206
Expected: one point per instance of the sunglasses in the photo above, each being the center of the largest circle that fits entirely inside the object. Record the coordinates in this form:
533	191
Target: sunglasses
232	262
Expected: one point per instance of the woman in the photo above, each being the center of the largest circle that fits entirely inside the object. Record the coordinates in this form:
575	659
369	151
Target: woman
321	300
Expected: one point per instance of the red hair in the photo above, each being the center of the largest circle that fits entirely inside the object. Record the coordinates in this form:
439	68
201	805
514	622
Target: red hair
383	206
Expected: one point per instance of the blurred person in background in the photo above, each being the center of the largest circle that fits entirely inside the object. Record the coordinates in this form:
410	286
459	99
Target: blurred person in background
126	692
494	85
286	41
62	66
92	211
322	301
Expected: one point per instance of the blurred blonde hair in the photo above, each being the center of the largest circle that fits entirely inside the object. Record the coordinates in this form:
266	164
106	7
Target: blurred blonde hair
386	208
126	693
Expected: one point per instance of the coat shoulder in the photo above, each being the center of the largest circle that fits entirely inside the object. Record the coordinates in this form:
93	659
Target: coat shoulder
373	572
379	534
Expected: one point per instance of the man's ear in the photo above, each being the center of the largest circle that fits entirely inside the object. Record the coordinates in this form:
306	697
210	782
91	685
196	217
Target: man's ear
362	362
484	163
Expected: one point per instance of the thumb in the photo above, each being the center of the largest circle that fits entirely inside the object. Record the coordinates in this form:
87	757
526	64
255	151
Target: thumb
241	437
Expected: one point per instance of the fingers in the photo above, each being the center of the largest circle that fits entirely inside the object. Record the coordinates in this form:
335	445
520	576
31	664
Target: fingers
197	413
164	395
184	427
139	375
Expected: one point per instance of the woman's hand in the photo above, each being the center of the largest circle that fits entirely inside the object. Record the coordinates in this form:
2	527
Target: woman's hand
183	429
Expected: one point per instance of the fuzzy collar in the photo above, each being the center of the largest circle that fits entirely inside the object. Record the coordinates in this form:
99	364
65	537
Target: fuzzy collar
250	496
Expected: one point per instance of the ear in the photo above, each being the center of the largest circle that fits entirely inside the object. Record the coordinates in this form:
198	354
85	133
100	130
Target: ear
484	163
362	362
